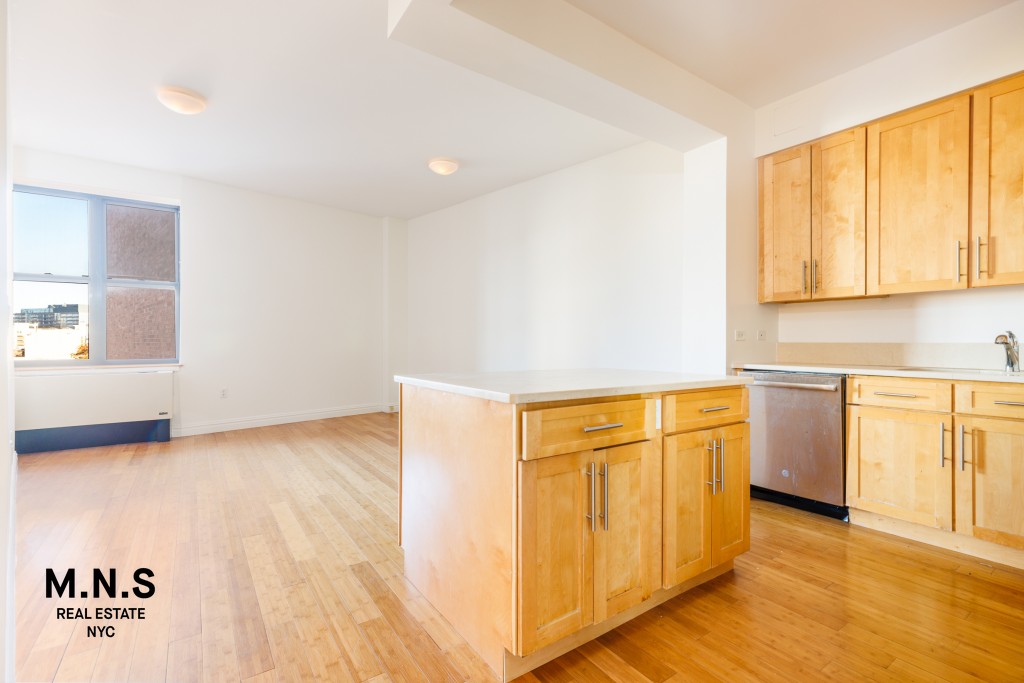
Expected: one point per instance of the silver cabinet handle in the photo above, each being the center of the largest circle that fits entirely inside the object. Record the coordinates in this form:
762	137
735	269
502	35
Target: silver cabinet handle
716	408
977	259
604	473
886	393
714	465
942	444
721	460
1009	403
803	279
796	385
962	457
956	263
598	428
814	276
593	502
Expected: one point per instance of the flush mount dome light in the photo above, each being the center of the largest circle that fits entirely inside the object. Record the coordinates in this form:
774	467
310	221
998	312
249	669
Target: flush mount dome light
443	165
181	100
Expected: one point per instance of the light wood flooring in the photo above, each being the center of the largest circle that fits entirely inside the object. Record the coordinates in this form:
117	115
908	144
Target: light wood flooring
275	559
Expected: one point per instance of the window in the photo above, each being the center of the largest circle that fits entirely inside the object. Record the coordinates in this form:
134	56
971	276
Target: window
95	279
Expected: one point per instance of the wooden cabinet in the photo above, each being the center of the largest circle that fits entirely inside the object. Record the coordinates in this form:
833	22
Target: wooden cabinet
588	539
812	220
899	464
705	482
989	472
837	215
927	466
997	196
706	500
990	462
785	225
927	200
917	199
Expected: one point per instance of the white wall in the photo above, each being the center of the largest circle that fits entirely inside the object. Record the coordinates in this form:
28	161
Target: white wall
281	305
976	52
580	268
702	265
281	300
8	464
396	309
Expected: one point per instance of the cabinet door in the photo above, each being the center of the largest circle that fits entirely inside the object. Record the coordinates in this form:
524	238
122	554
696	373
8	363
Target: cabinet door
900	464
556	590
624	545
917	199
785	225
730	502
989	472
997	199
686	479
837	215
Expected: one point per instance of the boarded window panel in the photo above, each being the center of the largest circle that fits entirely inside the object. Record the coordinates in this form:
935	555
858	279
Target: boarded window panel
140	243
140	323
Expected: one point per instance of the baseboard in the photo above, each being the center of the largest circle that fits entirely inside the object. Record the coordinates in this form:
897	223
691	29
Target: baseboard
960	543
275	419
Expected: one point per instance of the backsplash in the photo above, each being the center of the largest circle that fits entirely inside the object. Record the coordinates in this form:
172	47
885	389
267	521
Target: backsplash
964	355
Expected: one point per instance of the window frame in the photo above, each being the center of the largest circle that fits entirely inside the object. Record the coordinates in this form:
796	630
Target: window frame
98	282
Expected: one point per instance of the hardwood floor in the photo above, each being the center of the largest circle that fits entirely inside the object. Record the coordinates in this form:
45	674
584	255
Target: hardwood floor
275	559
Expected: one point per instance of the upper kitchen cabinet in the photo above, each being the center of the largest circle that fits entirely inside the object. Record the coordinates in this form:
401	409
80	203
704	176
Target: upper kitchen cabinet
997	229
918	185
812	220
837	215
785	225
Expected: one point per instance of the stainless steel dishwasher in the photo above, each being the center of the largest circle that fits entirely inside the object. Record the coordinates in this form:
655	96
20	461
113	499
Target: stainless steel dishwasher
797	447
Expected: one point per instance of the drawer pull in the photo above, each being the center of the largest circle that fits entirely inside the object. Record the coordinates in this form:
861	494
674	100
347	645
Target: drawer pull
598	428
604	474
593	498
795	385
1009	403
711	410
942	444
886	393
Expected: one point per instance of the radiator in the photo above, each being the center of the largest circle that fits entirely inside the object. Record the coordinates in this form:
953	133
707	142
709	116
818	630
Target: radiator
47	400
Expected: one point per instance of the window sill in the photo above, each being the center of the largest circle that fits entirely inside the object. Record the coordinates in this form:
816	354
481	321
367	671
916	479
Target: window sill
96	369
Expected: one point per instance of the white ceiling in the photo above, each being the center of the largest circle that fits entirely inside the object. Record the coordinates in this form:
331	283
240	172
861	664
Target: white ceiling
310	99
307	99
763	50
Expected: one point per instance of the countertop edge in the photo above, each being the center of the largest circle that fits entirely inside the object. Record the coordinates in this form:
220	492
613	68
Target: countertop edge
572	394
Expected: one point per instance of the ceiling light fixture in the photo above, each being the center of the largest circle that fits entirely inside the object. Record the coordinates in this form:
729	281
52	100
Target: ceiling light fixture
181	100
443	165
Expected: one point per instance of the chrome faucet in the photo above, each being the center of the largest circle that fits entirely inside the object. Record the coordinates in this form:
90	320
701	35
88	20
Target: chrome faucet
1012	348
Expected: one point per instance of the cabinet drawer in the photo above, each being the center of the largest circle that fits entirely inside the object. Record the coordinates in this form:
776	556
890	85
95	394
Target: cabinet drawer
700	409
553	431
990	398
899	392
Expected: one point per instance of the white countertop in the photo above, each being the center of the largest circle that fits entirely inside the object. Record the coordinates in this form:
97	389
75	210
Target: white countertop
962	374
533	386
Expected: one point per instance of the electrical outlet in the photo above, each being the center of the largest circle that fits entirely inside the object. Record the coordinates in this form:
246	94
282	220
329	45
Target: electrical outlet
739	335
762	335
223	393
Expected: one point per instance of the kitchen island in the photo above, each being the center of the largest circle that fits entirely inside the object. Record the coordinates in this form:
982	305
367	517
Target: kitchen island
542	509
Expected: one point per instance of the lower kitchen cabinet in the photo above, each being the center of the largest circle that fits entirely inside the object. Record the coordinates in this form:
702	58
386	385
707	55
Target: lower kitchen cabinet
589	543
900	464
706	500
989	476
